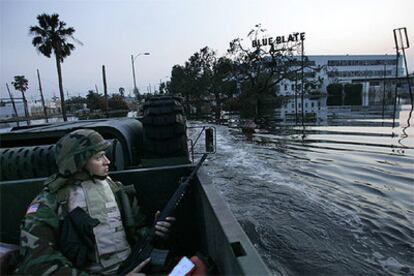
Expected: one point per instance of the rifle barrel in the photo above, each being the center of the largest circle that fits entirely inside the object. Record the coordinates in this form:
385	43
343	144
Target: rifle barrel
142	252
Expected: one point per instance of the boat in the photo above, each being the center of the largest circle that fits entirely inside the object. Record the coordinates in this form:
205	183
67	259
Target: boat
149	154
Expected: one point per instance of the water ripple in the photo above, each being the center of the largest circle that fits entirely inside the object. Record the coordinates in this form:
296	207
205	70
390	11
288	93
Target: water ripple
320	203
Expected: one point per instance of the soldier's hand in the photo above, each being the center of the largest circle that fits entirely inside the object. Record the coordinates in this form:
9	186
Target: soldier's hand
135	271
162	227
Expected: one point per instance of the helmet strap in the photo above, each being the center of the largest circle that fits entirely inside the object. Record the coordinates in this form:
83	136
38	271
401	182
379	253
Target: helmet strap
93	176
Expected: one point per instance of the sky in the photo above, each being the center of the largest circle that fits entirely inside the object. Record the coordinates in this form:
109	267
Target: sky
171	31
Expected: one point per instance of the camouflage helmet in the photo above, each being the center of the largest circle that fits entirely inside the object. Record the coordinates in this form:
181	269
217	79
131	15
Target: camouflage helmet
74	149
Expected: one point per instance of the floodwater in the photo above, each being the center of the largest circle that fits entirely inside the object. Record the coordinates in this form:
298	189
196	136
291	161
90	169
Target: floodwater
334	196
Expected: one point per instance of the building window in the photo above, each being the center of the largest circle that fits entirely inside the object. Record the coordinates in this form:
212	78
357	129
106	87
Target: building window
360	73
362	62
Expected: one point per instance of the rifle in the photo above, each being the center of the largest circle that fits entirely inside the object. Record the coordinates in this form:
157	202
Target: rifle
141	252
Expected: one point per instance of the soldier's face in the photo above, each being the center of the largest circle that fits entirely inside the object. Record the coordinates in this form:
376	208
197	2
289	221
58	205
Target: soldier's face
98	164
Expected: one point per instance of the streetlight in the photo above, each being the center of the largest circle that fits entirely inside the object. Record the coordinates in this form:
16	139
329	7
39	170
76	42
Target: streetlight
133	70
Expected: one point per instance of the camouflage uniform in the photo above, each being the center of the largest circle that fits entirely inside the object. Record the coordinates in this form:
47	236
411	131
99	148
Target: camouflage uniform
40	229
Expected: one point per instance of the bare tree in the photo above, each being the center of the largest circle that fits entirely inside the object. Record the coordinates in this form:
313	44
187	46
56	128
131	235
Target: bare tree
266	63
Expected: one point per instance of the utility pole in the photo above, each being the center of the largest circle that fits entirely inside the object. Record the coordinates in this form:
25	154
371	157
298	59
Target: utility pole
96	89
405	45
41	96
136	91
302	86
401	43
296	98
133	75
105	91
383	91
12	101
396	88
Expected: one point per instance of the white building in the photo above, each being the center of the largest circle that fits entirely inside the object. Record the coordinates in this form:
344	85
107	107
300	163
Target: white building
365	69
7	111
314	109
34	108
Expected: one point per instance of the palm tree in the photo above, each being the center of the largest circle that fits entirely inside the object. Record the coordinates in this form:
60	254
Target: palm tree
122	91
21	84
51	36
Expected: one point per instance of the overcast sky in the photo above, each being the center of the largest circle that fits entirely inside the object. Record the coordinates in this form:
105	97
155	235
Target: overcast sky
173	30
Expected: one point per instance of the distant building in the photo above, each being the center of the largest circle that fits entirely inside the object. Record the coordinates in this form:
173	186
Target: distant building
132	102
314	109
365	69
34	108
7	111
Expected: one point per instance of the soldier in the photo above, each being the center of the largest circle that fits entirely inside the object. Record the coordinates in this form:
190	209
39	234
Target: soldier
75	225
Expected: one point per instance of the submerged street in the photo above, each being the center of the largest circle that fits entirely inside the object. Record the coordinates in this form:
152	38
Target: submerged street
309	105
323	199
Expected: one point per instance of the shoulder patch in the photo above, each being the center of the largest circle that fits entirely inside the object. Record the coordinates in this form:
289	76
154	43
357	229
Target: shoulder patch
32	208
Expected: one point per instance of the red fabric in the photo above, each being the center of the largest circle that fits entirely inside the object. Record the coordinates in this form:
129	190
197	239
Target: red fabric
200	268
